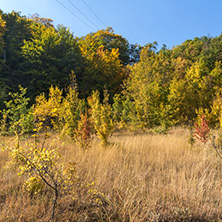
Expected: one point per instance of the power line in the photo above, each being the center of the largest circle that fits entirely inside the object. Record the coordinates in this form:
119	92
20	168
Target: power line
94	13
83	14
75	15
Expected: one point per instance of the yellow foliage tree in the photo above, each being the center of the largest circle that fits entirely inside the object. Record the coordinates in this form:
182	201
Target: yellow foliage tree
103	67
2	33
101	114
69	111
47	112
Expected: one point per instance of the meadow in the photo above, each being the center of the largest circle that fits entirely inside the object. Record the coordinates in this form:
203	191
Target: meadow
143	177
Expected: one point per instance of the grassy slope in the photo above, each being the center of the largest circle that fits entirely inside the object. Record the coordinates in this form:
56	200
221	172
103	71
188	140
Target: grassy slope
144	178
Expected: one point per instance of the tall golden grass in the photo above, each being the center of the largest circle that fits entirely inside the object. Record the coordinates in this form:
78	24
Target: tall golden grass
144	177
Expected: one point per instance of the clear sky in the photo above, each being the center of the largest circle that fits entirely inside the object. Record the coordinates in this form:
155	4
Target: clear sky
169	22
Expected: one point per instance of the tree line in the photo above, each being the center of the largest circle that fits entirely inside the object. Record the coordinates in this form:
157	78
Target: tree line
147	87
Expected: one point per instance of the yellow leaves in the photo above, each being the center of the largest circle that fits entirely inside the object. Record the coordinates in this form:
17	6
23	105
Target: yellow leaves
106	61
54	110
2	26
45	109
44	38
68	111
101	116
196	73
34	185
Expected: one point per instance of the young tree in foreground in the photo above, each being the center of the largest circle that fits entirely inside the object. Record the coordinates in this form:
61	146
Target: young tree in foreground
41	163
101	114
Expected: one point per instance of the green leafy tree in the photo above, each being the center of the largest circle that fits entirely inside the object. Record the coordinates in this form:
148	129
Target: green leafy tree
3	85
191	50
2	43
18	118
148	85
212	52
124	111
14	28
50	56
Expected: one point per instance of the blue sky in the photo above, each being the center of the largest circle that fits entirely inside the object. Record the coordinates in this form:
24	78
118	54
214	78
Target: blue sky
169	22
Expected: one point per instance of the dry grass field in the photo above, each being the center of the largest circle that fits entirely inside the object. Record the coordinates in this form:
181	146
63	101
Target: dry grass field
144	177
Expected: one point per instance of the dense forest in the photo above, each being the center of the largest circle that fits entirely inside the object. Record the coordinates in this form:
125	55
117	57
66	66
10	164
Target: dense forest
147	87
